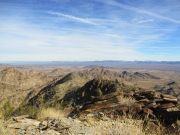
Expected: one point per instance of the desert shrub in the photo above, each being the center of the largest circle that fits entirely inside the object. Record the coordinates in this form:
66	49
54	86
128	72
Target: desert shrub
49	112
6	110
126	100
31	111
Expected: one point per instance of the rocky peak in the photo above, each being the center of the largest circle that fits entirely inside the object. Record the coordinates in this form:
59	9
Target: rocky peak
93	89
137	75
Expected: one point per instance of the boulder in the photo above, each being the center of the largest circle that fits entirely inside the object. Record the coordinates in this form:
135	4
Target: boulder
43	125
167	105
169	98
173	109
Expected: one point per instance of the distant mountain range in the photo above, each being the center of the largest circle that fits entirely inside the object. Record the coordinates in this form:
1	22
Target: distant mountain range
84	63
159	65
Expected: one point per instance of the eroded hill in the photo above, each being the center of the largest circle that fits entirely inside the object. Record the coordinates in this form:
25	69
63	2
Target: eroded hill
16	84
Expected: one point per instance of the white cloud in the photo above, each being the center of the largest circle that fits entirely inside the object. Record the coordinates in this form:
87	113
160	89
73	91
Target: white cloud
32	43
145	21
114	37
73	18
141	11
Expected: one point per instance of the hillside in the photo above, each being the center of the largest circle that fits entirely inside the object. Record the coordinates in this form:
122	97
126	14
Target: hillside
57	89
16	84
99	98
78	90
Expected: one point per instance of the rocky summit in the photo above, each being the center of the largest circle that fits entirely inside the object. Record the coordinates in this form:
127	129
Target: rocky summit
113	98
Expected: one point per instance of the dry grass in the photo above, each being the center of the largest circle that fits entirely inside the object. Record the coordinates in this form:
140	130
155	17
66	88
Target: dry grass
93	126
50	113
3	130
123	126
126	100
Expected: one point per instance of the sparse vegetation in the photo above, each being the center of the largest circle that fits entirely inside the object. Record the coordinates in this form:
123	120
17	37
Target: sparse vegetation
49	113
31	111
126	100
121	126
3	130
6	109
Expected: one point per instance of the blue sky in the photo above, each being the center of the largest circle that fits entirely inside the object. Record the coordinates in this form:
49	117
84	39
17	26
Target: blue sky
45	30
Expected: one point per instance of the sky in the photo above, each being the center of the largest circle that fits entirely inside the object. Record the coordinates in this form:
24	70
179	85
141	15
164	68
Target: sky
88	30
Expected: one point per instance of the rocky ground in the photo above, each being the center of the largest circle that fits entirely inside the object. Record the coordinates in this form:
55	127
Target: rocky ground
68	126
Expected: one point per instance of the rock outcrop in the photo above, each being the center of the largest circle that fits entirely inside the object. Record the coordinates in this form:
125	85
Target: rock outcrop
96	90
162	106
114	99
170	88
24	125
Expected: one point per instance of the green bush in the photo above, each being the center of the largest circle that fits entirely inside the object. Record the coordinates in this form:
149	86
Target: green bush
31	111
7	110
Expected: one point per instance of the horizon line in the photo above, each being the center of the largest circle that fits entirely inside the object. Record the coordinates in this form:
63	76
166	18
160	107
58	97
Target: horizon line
21	61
